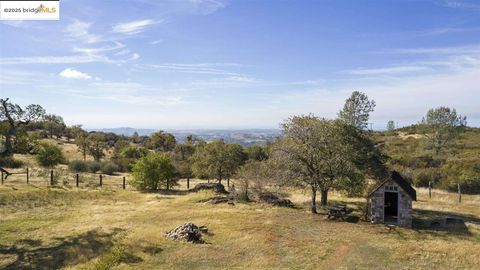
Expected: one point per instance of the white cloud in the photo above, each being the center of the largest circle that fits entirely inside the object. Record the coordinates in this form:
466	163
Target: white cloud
133	27
71	73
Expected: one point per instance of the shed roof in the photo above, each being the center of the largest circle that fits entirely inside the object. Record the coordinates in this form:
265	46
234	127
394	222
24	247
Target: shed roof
397	178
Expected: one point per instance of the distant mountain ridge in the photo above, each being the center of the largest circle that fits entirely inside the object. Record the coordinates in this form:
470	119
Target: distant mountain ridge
244	137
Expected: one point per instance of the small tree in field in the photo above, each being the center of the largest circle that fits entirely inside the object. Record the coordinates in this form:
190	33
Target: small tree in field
153	172
390	127
96	145
356	110
49	155
252	175
441	126
322	154
218	160
16	117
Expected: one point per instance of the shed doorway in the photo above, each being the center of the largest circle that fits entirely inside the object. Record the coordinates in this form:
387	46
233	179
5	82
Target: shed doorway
391	207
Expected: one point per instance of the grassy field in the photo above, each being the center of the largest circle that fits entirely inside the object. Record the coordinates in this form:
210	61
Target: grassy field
47	228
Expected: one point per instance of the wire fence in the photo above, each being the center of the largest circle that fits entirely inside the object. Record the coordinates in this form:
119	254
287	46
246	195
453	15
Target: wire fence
62	178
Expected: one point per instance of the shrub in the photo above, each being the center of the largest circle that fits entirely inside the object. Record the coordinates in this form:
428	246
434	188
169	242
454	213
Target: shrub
49	155
465	172
10	162
109	168
94	166
78	166
153	172
421	177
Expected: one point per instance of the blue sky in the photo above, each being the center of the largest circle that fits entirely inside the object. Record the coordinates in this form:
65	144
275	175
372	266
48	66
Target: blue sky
243	64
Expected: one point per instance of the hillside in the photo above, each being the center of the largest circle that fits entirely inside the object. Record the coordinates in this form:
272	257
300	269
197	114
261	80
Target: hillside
457	163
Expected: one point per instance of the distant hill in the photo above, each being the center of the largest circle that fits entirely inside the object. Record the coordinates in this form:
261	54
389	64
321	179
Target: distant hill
126	131
243	137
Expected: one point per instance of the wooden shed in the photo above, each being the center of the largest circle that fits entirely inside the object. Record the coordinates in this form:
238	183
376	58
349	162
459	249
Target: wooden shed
391	201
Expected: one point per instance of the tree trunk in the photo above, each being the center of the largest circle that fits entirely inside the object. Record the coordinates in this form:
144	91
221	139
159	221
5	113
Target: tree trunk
8	142
314	200
324	196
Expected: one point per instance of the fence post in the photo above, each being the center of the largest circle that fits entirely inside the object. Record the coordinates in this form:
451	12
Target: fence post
27	177
123	184
101	180
459	194
188	183
430	189
2	177
51	177
77	180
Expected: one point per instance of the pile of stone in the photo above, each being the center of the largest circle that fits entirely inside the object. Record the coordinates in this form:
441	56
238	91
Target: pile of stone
275	200
188	232
217	187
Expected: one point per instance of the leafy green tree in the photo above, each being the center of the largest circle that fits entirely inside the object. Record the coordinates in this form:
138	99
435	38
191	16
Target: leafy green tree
128	156
356	110
96	145
217	160
161	141
49	155
441	126
17	117
153	172
54	125
80	137
322	154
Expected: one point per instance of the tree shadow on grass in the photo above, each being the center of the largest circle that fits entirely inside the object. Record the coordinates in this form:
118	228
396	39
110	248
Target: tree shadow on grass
166	192
443	223
31	254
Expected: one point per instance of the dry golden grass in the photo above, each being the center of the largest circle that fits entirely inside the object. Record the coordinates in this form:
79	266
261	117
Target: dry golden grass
111	228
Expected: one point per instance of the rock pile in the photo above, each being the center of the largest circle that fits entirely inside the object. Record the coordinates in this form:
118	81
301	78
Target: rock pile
217	187
187	232
275	200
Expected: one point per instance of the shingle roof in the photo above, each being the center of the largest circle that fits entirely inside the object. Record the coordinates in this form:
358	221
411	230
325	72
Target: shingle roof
402	183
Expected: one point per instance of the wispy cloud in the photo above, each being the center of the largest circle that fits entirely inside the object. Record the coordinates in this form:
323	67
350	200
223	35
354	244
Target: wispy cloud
71	73
70	59
202	68
468	49
155	42
387	70
80	31
133	27
462	4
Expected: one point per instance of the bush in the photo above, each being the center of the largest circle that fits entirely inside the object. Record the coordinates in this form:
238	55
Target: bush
465	172
10	162
421	177
109	168
94	166
78	166
49	155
